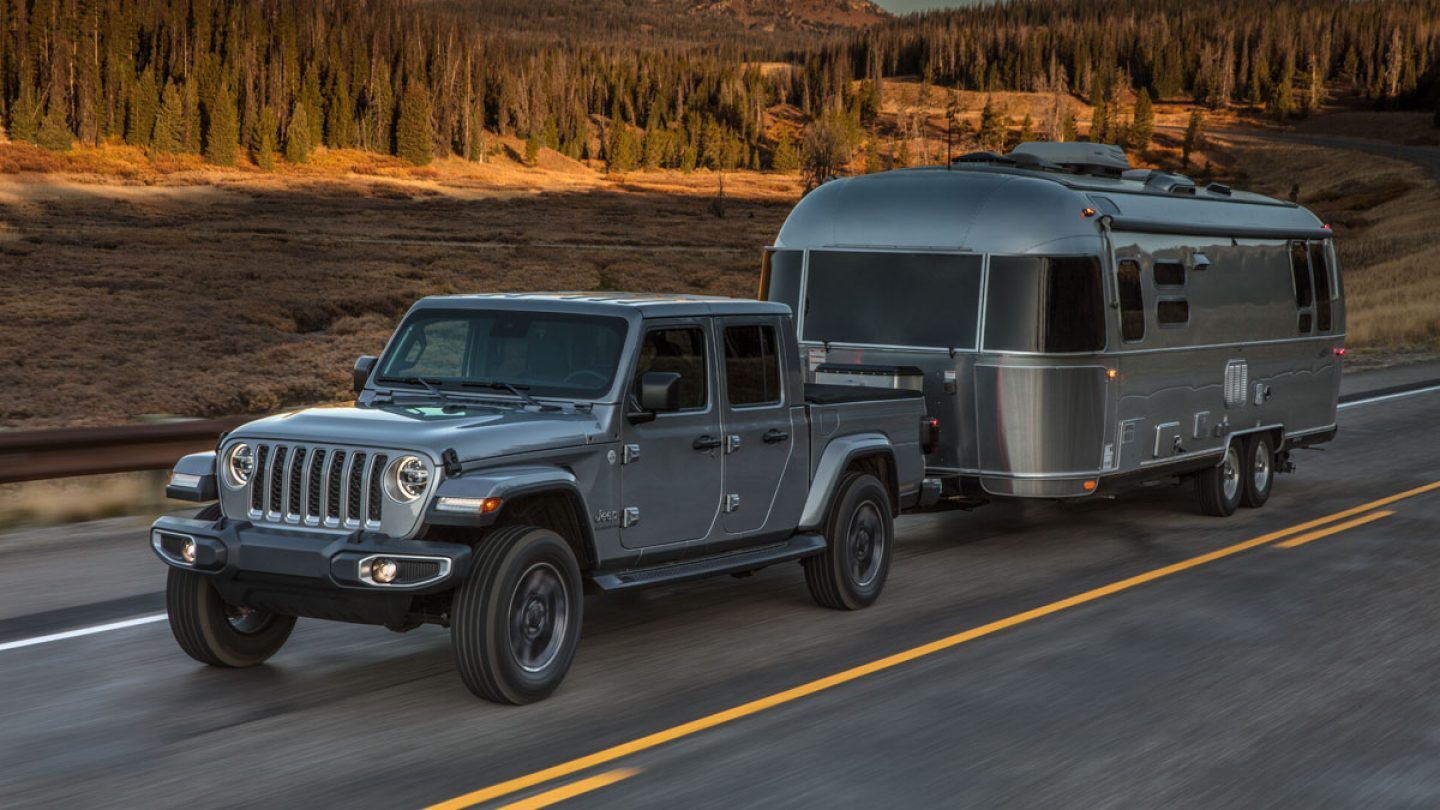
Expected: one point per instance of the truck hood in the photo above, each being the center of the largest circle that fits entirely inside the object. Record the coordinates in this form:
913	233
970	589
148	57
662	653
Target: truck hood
473	434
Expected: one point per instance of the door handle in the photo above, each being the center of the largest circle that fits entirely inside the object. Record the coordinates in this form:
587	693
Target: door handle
706	442
773	436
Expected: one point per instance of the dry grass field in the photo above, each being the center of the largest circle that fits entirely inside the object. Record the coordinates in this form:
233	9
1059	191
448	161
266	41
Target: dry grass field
186	290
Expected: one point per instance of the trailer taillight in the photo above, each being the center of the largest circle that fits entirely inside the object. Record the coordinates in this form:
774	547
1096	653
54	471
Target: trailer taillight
1339	351
929	435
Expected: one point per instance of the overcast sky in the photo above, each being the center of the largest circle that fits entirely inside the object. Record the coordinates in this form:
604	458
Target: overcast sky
905	6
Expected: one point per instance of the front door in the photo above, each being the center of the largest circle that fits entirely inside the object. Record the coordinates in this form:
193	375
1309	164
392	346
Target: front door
759	428
671	475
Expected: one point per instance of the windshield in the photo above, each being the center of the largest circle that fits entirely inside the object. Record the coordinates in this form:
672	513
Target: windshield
540	353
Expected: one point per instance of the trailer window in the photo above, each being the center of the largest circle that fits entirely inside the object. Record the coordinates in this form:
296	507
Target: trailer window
892	299
1132	301
752	365
1323	287
1172	312
1039	304
1169	274
780	277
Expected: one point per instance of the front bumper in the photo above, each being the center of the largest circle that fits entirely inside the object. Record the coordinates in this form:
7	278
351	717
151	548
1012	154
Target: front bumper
309	573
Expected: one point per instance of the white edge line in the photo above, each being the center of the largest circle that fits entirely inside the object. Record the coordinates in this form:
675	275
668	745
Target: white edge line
1400	395
83	631
160	617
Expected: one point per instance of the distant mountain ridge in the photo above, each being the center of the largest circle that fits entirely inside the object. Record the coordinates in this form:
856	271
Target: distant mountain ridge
798	14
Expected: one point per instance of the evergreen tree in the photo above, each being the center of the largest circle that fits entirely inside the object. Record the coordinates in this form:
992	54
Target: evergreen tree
992	127
1100	122
141	109
54	133
1194	136
223	135
314	104
1282	96
1027	129
25	119
169	134
1069	132
1143	126
340	129
266	129
297	135
532	149
620	154
191	106
413	136
787	157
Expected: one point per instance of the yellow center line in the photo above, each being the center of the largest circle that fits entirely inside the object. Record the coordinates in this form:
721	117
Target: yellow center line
888	662
1335	529
572	790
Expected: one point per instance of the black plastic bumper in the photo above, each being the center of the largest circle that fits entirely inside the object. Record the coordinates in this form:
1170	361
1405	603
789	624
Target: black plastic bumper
309	573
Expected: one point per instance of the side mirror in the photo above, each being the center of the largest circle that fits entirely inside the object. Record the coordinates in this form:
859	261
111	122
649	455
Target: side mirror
659	393
363	367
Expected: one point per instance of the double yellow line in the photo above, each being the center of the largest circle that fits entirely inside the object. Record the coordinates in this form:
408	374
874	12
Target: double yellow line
1294	536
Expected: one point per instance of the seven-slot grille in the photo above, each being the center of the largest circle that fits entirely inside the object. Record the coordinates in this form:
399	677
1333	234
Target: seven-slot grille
331	486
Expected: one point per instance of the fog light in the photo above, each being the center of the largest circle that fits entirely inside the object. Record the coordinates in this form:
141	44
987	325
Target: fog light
384	570
187	552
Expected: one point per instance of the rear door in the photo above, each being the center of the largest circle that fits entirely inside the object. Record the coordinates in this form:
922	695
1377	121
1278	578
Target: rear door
758	422
671	474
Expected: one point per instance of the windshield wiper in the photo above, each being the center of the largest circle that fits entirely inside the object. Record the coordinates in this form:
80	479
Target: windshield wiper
517	389
429	385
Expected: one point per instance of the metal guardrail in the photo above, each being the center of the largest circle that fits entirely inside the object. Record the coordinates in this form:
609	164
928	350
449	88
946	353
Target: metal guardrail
33	455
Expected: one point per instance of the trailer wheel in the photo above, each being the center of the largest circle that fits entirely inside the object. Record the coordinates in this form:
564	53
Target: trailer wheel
1221	487
515	621
1259	470
860	534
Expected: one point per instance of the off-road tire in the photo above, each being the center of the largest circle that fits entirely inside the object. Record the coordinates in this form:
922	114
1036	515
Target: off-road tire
1259	464
1221	487
484	612
202	625
851	572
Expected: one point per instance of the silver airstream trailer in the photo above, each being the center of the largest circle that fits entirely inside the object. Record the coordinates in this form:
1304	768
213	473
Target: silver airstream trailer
1074	324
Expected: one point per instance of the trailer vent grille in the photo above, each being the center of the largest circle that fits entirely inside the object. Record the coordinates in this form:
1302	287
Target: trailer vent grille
1237	377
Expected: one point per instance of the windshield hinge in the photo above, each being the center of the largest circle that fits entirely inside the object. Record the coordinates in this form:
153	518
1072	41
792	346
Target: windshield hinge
451	460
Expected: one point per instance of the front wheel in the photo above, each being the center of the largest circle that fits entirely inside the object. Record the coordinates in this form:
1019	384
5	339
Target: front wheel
859	533
220	634
516	619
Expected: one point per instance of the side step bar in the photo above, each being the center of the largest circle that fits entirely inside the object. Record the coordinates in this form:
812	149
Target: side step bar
801	545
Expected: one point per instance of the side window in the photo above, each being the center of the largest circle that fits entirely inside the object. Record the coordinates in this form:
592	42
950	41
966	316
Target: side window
752	365
1304	292
680	350
1172	312
1169	274
1323	288
1132	301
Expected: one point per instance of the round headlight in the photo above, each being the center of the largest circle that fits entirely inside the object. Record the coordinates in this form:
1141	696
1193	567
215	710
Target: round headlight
239	465
408	478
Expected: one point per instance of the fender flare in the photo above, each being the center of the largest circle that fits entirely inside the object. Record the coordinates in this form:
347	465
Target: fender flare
507	484
833	462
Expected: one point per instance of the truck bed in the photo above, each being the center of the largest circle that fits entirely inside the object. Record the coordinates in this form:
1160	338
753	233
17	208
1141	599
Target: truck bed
822	394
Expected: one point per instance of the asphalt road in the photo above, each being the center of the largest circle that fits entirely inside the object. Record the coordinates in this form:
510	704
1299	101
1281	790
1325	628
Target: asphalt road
1112	652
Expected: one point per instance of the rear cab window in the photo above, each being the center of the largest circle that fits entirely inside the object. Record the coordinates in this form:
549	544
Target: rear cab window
752	365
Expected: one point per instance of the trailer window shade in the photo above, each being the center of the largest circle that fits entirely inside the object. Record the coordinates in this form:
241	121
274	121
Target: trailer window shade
1172	312
1323	288
1169	274
1038	304
780	277
927	300
1132	301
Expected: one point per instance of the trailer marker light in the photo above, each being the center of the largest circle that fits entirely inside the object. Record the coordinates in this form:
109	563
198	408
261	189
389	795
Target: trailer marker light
1111	373
1088	212
1089	486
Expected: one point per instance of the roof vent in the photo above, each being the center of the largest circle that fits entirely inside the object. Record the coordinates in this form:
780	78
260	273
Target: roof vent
1218	188
1162	181
1106	160
984	157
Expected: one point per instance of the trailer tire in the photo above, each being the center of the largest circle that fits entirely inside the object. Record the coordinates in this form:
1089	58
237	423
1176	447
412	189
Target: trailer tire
213	632
515	621
1221	487
1259	470
860	536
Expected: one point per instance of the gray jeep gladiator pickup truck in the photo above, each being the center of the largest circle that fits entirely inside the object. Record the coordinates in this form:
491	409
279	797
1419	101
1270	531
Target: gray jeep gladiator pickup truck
507	452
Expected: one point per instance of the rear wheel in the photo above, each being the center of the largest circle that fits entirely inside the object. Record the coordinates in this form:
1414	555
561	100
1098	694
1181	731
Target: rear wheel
859	532
1221	487
516	619
1259	470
